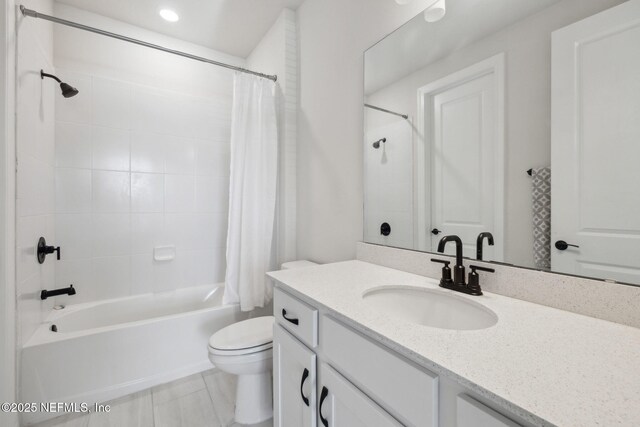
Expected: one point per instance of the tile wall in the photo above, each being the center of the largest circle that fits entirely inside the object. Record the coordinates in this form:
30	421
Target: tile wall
139	168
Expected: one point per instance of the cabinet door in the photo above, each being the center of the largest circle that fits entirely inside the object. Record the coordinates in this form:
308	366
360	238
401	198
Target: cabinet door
294	381
471	413
343	405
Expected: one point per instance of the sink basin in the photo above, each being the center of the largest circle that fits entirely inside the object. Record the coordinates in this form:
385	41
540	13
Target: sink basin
430	308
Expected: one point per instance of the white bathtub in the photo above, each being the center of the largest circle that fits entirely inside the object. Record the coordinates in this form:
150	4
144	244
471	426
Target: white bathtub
112	348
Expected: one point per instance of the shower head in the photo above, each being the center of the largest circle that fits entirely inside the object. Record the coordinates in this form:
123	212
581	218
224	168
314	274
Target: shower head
67	90
376	144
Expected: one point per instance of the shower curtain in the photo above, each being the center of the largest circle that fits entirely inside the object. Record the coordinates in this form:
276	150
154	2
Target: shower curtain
252	193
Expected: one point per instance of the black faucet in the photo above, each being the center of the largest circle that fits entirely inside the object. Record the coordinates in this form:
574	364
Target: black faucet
481	237
458	283
458	269
46	294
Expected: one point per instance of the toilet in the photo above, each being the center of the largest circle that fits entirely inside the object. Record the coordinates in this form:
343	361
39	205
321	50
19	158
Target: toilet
245	349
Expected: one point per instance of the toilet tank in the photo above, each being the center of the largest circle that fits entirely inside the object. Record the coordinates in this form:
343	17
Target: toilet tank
297	264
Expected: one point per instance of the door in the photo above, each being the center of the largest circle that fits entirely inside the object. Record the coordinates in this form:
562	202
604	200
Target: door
294	381
343	405
464	147
595	145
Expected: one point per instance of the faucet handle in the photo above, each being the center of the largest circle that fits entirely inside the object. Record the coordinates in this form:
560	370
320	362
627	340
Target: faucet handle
477	267
446	272
473	287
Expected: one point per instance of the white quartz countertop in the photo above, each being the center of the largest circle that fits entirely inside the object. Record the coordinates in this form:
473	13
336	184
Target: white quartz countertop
549	366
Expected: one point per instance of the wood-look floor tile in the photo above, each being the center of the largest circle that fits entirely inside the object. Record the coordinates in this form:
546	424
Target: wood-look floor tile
222	389
192	410
69	420
135	410
178	388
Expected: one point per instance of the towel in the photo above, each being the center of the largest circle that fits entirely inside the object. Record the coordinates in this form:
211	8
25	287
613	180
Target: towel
541	197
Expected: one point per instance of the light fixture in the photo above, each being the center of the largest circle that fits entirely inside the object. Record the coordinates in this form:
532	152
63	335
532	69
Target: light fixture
436	11
169	15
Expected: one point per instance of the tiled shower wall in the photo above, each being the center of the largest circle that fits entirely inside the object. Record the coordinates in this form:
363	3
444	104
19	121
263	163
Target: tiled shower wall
139	168
142	162
35	169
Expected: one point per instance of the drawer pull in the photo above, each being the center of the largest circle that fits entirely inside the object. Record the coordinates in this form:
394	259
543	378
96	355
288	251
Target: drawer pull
323	396
305	375
284	314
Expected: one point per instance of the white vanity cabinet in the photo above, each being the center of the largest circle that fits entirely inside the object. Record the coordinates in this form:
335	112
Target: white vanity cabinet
327	374
344	405
294	381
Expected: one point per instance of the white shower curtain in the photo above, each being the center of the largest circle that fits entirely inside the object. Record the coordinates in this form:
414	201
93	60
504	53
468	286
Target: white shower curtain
252	193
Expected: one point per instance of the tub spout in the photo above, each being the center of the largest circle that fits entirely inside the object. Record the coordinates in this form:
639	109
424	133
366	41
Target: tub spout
46	294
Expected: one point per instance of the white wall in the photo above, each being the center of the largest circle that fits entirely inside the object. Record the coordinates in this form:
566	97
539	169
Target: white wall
35	187
7	212
333	36
142	161
527	48
277	53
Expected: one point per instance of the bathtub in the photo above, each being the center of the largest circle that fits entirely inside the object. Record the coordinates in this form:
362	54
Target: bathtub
108	349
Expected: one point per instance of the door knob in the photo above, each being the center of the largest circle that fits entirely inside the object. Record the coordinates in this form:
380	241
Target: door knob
435	231
561	245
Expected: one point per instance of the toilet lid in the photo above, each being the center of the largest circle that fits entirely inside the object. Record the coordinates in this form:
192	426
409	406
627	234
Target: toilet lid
248	334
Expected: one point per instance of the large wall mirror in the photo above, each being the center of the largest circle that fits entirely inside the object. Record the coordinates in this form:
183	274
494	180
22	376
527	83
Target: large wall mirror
517	118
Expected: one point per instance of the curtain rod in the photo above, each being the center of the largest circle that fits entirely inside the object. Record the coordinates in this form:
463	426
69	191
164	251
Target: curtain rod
34	14
373	107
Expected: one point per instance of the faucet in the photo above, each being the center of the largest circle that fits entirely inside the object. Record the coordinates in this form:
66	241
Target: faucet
458	270
481	237
47	294
458	283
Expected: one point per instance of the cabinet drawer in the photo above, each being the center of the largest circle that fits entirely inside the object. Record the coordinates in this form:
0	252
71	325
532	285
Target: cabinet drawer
471	413
297	317
409	393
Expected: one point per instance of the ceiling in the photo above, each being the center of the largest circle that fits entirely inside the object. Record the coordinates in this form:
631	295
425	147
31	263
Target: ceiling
418	43
230	26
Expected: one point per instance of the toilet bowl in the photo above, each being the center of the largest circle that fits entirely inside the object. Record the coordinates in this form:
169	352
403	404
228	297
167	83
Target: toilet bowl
245	349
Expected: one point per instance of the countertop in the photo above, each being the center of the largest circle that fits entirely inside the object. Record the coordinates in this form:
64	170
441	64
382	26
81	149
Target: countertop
548	366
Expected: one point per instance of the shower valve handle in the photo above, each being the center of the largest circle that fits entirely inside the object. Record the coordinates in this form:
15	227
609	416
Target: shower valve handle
44	250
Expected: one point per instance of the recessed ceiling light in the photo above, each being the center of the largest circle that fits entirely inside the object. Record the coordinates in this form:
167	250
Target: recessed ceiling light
169	15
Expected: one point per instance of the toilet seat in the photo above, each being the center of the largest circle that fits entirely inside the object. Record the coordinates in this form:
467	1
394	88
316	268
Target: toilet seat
246	337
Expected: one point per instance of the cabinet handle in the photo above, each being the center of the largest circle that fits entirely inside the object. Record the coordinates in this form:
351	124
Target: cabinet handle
323	396
288	319
305	375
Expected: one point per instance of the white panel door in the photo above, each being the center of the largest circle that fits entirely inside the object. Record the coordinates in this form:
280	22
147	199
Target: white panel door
596	145
294	381
464	128
343	405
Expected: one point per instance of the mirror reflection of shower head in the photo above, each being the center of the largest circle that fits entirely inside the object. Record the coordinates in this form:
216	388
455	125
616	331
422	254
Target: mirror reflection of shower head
376	144
67	90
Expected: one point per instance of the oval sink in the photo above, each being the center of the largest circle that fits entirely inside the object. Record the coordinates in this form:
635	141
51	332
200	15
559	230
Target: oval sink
430	308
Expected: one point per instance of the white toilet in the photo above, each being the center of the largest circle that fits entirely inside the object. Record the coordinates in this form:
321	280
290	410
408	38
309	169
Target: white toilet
245	349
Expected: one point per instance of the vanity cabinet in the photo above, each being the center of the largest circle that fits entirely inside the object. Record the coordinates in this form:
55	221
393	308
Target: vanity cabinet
327	374
294	381
344	405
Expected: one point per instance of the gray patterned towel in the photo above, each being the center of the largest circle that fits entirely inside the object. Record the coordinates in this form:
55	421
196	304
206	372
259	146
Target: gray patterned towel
541	193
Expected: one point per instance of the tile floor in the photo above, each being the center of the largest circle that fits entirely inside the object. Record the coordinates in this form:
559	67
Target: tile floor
205	399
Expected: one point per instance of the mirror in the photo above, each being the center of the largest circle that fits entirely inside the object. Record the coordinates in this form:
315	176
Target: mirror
518	118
